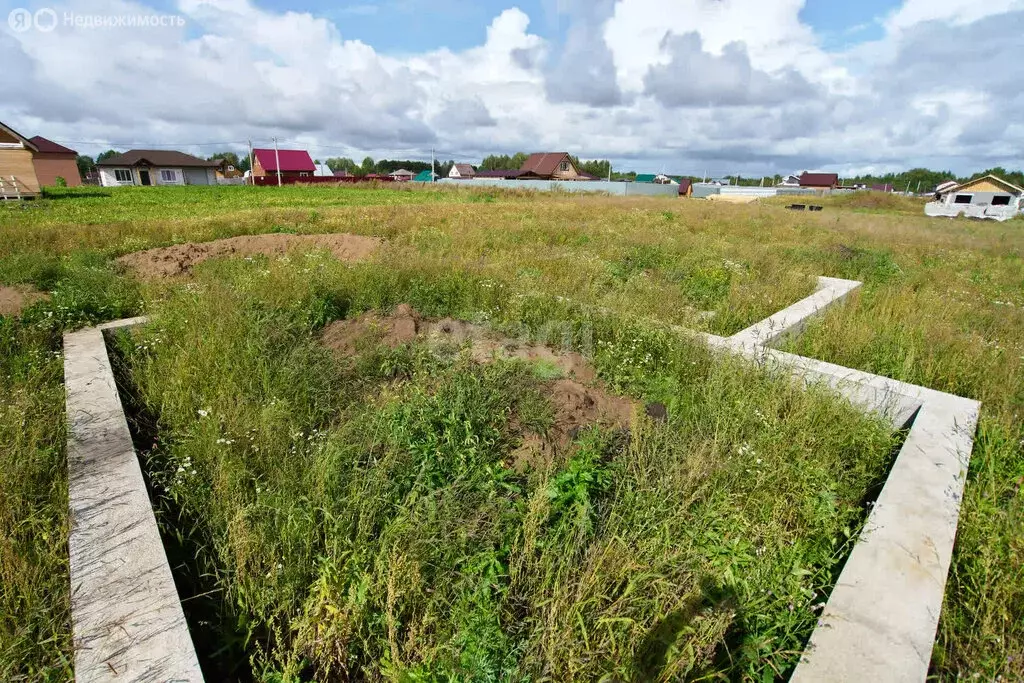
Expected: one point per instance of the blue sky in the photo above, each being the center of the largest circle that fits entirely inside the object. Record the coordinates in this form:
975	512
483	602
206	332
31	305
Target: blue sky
723	86
412	26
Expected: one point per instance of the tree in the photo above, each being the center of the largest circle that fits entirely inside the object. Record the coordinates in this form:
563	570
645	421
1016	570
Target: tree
230	157
367	166
103	156
342	164
86	165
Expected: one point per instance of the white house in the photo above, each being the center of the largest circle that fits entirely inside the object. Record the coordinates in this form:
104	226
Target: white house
461	171
985	197
156	167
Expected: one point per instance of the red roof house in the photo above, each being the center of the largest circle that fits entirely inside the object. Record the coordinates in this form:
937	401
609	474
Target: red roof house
295	163
819	181
549	166
54	161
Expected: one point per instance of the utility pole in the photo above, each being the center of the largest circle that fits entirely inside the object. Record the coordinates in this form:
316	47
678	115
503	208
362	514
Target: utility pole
252	178
277	162
432	174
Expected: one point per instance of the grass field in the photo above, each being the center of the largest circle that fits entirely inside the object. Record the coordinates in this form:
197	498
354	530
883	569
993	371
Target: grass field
362	517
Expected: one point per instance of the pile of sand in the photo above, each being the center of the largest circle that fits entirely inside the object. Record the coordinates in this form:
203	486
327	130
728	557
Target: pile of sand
578	399
180	258
14	299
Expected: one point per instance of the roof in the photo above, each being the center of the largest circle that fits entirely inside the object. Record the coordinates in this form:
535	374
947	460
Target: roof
684	185
1010	187
15	134
498	173
49	146
157	157
291	160
946	185
401	171
588	176
423	176
644	178
818	179
543	163
465	169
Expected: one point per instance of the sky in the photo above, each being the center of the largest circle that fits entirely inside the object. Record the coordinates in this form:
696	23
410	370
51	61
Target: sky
697	87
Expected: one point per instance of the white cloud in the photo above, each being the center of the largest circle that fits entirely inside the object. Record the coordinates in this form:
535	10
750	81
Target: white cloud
722	85
951	11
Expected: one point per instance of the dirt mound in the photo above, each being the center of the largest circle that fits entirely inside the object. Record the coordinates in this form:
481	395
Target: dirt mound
578	399
14	299
180	258
346	337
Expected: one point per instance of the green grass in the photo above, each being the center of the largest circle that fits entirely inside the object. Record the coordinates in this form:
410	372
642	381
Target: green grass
368	518
633	558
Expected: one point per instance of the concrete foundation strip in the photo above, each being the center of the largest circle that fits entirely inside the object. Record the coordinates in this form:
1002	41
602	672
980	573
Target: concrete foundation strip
126	616
879	623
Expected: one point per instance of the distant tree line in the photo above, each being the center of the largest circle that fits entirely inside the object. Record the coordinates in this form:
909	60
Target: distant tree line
916	179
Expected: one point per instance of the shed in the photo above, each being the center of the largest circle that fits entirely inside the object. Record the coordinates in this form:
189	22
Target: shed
53	161
685	187
644	178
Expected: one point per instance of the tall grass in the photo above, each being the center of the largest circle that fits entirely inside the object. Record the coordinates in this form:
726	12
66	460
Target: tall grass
941	306
366	520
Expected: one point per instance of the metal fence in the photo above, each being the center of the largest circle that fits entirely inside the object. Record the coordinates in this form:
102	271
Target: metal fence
615	188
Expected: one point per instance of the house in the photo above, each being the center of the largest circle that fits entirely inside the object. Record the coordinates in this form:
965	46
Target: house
342	173
156	167
685	187
791	180
53	161
427	176
503	174
549	166
402	175
227	171
819	181
462	171
323	171
17	170
588	176
294	163
985	197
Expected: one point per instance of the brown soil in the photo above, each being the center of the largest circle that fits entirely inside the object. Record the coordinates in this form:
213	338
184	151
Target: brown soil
14	299
578	400
180	258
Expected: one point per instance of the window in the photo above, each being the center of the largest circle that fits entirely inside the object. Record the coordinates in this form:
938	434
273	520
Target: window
123	175
303	174
564	166
962	199
168	175
1001	200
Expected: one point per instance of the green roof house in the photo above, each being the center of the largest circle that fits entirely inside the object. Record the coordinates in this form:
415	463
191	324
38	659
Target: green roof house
422	177
644	178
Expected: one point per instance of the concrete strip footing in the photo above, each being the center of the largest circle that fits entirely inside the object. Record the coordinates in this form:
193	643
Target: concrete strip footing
791	320
127	620
880	621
